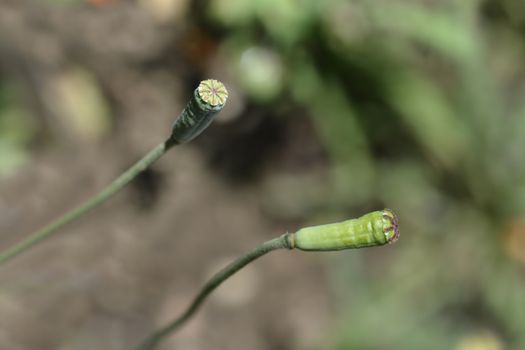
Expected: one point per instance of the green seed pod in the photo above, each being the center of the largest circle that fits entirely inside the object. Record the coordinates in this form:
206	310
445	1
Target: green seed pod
207	100
372	229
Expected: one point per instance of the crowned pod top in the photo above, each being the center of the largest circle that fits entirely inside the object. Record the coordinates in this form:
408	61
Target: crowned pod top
208	99
212	92
372	229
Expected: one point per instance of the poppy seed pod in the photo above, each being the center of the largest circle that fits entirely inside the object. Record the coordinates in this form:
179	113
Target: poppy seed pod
372	229
208	99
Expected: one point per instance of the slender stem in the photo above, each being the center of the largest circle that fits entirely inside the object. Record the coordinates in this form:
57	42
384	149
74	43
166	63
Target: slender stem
91	203
207	100
277	243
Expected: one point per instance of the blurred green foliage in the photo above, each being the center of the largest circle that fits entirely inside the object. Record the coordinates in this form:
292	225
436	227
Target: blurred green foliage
420	107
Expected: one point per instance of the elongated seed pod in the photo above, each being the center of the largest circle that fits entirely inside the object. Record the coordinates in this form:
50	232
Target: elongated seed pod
208	99
372	229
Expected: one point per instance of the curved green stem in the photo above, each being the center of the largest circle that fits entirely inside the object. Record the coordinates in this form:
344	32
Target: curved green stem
277	243
91	203
207	100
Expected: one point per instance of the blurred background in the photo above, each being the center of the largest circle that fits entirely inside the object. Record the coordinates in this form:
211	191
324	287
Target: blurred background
336	108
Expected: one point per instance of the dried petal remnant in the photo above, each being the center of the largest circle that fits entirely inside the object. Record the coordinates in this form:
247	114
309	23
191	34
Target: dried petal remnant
391	227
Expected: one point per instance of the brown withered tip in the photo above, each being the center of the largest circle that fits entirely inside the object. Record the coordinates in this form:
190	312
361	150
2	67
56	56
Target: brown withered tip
394	225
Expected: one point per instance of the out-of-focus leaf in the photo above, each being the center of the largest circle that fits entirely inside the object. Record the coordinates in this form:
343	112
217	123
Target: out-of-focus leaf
81	104
481	340
261	73
166	11
440	129
232	12
339	128
439	27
